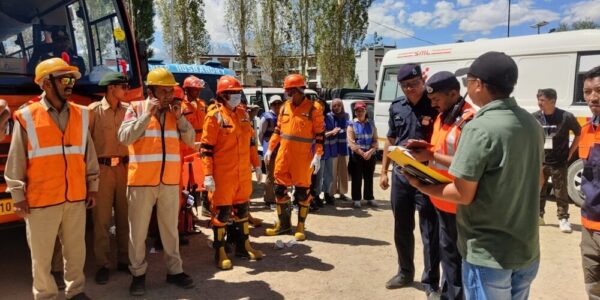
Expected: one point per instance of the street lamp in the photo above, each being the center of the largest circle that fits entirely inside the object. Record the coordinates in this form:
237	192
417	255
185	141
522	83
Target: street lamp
539	25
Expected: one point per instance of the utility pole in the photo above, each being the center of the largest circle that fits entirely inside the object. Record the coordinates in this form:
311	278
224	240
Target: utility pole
508	27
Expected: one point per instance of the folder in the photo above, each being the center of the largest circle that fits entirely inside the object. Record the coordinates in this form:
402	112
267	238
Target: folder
422	172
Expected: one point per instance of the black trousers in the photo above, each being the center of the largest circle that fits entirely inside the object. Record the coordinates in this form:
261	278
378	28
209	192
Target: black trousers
405	199
361	170
451	260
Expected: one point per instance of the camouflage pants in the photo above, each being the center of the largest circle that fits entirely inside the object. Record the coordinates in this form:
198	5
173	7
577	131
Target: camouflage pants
559	185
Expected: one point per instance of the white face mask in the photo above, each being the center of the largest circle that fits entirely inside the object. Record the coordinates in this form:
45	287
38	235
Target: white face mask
234	100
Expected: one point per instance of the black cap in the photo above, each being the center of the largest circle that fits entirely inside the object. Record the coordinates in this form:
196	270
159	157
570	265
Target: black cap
113	78
495	68
409	71
442	81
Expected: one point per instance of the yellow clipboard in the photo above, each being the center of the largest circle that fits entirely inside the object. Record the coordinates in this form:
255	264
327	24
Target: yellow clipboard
417	169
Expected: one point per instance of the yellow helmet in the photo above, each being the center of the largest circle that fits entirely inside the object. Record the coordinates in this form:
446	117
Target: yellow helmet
162	77
54	66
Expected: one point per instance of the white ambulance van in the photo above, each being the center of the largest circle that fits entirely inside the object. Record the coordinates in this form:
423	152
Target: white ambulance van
554	60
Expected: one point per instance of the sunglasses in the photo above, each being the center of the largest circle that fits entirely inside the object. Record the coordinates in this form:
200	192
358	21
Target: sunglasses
67	80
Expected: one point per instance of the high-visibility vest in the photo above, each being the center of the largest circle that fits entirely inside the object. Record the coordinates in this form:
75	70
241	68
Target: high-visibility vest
589	151
154	158
56	169
363	134
445	141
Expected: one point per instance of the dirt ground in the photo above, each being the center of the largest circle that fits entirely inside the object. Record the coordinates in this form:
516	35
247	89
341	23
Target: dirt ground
349	254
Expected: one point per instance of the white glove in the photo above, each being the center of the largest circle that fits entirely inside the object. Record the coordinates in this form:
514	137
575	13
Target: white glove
316	163
267	157
209	183
258	173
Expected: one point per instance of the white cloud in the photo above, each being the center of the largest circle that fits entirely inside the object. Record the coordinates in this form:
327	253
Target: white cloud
443	15
214	12
388	19
485	17
420	18
582	10
463	2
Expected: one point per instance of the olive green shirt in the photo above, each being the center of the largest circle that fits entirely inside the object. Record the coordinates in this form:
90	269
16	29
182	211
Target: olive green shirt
502	149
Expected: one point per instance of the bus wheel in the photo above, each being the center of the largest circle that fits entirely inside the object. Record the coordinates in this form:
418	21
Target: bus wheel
574	182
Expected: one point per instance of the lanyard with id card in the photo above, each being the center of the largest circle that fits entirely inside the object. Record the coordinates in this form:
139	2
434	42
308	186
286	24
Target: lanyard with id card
549	133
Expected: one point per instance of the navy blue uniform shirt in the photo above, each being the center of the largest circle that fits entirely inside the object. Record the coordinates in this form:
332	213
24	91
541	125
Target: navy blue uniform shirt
411	122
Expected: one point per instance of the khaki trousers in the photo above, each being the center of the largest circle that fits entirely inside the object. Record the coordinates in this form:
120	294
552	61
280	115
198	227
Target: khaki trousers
43	225
141	200
339	181
112	192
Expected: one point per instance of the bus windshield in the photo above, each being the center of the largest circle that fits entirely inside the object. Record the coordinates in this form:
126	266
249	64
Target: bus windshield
88	34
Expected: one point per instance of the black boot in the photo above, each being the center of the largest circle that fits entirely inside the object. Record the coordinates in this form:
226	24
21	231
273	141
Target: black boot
243	247
221	258
329	200
284	224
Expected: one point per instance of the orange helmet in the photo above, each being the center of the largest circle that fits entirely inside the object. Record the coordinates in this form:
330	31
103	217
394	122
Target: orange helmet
193	82
294	81
178	93
228	84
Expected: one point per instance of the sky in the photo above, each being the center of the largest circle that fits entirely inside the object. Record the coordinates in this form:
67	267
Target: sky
413	23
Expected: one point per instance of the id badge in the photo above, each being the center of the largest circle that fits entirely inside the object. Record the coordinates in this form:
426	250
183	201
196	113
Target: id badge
548	143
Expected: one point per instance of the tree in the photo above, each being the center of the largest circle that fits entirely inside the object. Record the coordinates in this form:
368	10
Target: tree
184	32
240	15
272	38
577	25
142	13
340	30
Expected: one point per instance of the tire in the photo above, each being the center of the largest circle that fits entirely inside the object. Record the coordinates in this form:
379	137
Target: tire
574	182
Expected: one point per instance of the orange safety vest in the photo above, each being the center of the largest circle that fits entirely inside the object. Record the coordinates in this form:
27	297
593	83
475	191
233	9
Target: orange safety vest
445	141
154	158
589	137
56	169
295	127
194	112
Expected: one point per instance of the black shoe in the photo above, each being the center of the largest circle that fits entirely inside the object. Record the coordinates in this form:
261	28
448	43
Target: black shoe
329	200
313	207
181	280
398	281
138	286
183	241
102	275
158	246
123	267
319	202
80	296
60	280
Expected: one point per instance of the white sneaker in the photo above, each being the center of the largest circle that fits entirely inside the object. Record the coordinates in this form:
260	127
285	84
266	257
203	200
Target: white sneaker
565	226
356	204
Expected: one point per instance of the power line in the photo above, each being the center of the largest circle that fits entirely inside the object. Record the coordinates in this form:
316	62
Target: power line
402	32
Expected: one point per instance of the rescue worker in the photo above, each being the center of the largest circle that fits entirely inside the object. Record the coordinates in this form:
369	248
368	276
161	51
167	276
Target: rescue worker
194	108
105	121
152	130
444	91
411	117
52	175
299	125
265	131
226	152
589	151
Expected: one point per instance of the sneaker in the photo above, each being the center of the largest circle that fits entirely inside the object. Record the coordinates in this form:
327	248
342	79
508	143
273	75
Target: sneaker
372	203
181	280
138	286
541	221
329	200
565	226
59	279
80	296
356	204
102	275
398	281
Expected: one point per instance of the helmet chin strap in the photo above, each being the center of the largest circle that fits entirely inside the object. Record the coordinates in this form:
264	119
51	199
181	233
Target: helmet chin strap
61	98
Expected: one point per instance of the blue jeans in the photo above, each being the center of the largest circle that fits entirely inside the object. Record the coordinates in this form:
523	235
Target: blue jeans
327	167
482	283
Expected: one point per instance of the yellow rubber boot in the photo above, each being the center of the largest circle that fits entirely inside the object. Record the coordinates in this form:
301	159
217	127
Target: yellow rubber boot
223	262
284	224
302	213
243	247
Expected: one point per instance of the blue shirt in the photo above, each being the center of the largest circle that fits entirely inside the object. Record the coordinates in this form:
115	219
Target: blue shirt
339	143
411	122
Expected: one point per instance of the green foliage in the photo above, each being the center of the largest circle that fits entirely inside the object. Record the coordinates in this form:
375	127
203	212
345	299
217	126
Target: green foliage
141	13
241	16
577	25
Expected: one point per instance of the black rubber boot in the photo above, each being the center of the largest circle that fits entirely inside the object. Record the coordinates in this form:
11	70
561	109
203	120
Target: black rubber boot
284	224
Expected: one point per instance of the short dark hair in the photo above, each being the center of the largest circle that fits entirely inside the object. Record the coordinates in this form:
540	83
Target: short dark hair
549	93
591	74
499	92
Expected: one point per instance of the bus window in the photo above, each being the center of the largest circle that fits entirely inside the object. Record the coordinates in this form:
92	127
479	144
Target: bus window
390	89
586	62
80	42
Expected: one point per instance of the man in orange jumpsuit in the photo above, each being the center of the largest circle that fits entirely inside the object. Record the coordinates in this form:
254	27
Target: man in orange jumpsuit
299	125
228	158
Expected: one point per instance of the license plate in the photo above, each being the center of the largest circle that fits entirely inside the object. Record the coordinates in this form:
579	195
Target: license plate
6	207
